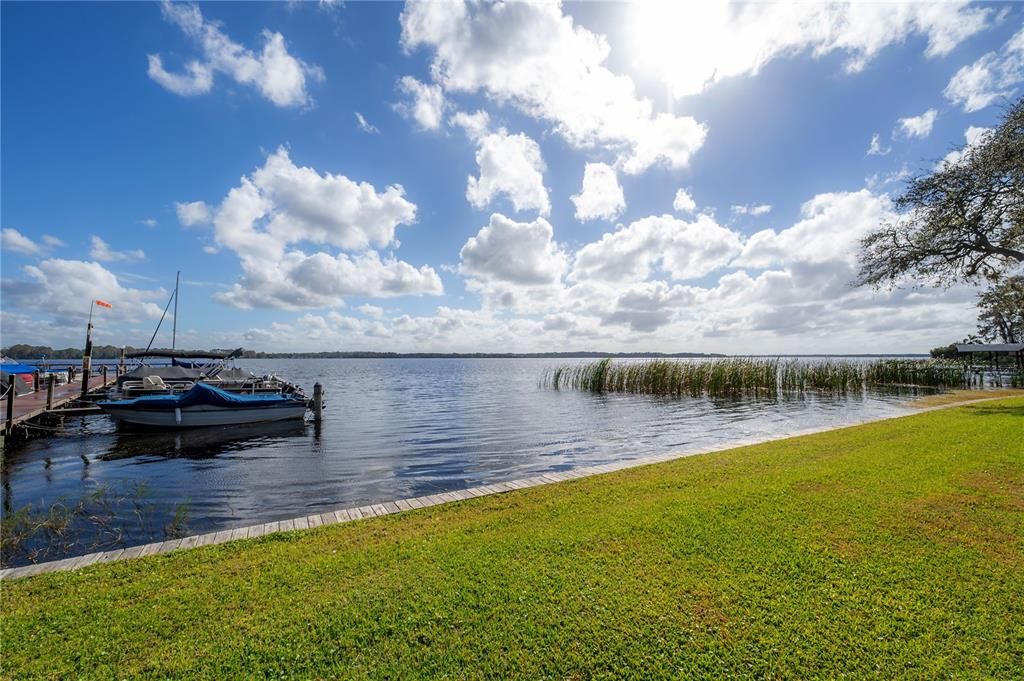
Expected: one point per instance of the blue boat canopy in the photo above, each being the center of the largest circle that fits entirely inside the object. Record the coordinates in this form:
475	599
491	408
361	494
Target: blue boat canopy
202	394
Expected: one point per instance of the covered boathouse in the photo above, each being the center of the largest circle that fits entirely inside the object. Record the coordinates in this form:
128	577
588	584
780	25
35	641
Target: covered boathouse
1016	350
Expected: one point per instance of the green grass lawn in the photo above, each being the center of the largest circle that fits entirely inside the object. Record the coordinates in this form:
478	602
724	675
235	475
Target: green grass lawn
894	549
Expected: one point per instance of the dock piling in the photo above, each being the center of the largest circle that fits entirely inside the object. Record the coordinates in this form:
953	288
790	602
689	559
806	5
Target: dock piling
86	372
35	382
9	425
318	402
56	402
104	374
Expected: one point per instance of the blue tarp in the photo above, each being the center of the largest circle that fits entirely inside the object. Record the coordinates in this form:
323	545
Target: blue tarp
16	368
202	394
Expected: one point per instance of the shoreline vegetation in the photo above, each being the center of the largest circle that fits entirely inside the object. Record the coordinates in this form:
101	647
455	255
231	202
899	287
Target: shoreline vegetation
877	549
723	377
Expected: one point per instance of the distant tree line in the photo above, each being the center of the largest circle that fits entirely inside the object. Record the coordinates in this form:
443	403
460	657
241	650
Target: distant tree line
23	351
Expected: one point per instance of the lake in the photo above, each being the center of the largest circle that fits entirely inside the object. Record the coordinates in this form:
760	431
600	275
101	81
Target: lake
392	428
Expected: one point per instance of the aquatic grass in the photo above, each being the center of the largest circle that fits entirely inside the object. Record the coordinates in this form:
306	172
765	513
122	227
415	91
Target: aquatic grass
103	518
744	375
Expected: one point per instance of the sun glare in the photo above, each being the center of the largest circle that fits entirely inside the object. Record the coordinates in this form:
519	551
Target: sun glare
679	42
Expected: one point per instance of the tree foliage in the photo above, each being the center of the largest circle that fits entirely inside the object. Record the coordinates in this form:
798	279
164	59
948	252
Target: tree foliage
962	222
1001	311
945	352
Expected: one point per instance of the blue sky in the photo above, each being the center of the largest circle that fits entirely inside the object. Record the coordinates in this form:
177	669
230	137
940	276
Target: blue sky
402	177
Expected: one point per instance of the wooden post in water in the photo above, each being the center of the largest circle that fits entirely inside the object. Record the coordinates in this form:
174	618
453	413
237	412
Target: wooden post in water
35	382
87	354
9	426
86	365
104	375
71	374
318	403
50	380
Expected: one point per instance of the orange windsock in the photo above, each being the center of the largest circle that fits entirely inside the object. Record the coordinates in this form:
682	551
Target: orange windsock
103	303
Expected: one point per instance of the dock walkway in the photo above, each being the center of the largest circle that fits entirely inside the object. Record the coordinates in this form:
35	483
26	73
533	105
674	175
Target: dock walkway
33	405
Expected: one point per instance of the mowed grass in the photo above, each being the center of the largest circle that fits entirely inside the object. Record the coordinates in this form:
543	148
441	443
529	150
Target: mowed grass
894	549
958	396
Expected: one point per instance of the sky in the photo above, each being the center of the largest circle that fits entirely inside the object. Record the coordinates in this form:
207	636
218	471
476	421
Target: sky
482	177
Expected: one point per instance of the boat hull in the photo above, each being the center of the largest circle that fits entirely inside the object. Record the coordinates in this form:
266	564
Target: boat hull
204	415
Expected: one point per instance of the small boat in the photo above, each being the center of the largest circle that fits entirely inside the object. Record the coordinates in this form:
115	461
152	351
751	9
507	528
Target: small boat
205	405
216	369
20	386
22	375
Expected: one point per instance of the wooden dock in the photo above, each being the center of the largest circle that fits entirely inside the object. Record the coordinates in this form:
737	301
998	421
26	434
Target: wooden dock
27	408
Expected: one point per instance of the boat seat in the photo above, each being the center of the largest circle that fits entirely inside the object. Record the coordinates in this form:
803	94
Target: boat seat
153	382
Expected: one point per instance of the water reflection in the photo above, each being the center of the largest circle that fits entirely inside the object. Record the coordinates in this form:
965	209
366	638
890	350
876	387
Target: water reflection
396	428
200	443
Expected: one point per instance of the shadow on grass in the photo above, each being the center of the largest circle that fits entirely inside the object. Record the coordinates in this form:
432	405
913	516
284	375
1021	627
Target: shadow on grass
997	410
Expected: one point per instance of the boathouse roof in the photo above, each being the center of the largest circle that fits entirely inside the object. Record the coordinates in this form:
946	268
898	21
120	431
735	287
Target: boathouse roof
990	347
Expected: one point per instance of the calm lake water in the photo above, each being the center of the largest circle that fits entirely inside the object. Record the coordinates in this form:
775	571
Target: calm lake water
392	429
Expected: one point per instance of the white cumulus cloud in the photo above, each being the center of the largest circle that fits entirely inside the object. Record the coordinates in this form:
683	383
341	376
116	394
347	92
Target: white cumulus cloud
273	72
917	126
536	58
522	253
374	311
426	103
514	265
831	227
475	125
64	289
510	165
101	251
684	250
752	209
990	78
683	202
693	45
365	125
193	213
648	306
15	241
601	196
280	205
300	281
198	79
876	148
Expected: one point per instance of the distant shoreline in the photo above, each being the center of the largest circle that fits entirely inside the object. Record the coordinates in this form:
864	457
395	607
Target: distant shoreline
37	353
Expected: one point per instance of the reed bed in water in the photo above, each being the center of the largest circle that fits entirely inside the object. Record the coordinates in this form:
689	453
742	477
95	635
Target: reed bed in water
736	376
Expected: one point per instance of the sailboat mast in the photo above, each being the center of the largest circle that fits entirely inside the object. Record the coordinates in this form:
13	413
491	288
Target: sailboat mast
174	328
